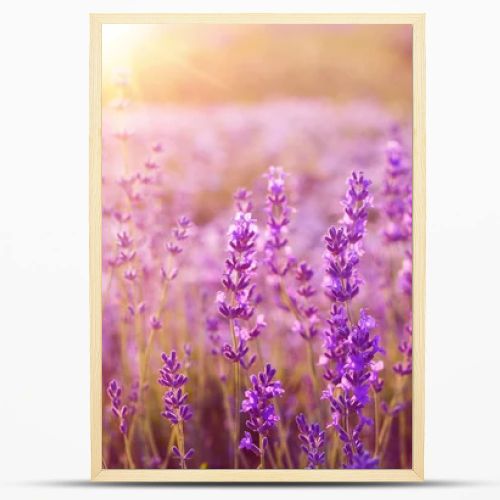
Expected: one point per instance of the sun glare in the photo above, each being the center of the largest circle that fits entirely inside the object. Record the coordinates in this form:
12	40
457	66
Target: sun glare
119	41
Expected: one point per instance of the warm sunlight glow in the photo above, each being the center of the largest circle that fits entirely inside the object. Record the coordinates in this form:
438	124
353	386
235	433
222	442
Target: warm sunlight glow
119	41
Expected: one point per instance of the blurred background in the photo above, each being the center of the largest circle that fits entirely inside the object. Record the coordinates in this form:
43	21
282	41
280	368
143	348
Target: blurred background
227	101
193	64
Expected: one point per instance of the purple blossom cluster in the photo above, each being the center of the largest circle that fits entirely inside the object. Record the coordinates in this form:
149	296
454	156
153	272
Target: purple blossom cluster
398	193
213	332
307	323
344	249
399	211
277	252
343	243
312	440
359	375
259	408
120	411
350	349
405	367
176	409
180	233
237	302
175	399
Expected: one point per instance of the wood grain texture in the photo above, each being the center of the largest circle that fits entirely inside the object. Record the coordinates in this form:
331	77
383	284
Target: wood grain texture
95	224
419	250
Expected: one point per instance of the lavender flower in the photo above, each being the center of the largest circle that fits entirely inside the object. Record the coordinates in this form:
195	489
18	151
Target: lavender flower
120	411
155	323
124	239
236	304
280	261
278	218
180	233
238	354
306	324
398	193
336	344
261	413
350	346
360	363
406	274
405	367
176	409
247	443
344	242
399	211
343	245
243	200
212	328
362	459
312	440
358	374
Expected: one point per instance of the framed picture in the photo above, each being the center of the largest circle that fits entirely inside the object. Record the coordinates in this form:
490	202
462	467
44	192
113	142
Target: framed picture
257	247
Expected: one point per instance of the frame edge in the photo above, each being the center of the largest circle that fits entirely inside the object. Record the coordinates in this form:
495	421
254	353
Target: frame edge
95	55
419	244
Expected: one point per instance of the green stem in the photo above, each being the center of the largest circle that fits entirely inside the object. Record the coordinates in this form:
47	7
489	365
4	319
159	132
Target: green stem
128	452
180	443
237	385
262	464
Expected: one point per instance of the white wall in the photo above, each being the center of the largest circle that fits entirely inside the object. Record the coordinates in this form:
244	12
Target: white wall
44	372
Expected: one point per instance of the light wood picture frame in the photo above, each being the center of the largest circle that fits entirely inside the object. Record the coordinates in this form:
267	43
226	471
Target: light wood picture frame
98	472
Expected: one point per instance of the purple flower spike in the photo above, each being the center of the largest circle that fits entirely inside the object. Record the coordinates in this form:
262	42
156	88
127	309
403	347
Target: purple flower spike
399	228
350	348
247	443
238	355
355	376
312	440
307	325
405	367
174	247
182	458
120	411
336	344
212	328
356	203
343	243
363	460
237	302
176	408
258	406
124	239
398	194
243	200
278	256
155	323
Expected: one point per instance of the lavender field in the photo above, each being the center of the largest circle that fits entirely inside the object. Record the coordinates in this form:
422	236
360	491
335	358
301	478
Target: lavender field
257	250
